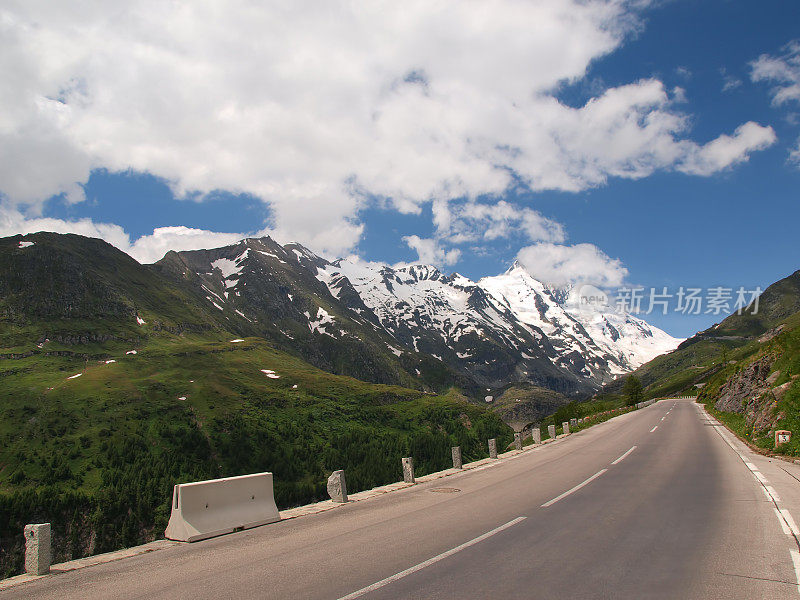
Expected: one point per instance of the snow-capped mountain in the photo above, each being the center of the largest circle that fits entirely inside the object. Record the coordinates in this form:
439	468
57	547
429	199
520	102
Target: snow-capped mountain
415	325
574	325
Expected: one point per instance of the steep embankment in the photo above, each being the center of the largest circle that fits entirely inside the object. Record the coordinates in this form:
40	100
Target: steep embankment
760	394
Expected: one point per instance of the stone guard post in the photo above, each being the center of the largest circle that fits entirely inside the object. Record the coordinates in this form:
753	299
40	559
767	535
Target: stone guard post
408	470
457	464
551	429
337	487
518	441
536	435
37	549
493	448
565	427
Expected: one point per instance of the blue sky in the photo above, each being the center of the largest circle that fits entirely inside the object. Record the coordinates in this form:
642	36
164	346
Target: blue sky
488	150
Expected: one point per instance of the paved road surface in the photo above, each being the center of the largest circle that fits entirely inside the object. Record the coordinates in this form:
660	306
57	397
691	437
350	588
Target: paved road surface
681	515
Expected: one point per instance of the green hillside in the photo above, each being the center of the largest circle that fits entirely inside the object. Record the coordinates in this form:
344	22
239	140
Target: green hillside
760	394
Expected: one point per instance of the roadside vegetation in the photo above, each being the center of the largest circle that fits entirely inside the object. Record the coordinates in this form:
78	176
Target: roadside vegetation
97	454
763	391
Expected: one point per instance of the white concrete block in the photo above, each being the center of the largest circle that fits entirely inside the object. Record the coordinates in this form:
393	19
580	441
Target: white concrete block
205	509
565	427
551	430
493	448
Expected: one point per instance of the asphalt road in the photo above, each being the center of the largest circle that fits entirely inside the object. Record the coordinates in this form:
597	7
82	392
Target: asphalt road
684	514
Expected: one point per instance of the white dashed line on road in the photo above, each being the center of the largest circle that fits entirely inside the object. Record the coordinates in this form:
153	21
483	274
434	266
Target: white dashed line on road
620	459
430	561
575	489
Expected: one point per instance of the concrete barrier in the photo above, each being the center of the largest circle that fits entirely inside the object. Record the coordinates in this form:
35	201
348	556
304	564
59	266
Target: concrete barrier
337	487
573	422
551	430
205	509
408	470
37	549
493	448
457	464
536	435
518	441
565	427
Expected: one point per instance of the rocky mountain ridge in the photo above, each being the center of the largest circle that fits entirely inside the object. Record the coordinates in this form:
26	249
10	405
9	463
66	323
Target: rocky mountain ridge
487	333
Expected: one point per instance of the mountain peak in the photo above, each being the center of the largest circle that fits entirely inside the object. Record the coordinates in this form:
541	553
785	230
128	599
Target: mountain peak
516	267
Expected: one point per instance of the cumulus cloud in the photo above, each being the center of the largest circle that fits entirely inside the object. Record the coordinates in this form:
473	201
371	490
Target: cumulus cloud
150	248
726	150
318	107
430	252
146	249
558	264
782	71
471	221
13	222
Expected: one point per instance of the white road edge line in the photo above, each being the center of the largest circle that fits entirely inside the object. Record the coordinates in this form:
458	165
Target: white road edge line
575	489
772	493
784	526
653	429
796	560
788	525
430	561
790	521
621	458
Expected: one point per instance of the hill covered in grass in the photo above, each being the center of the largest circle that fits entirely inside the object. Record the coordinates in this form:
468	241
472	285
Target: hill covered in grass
117	383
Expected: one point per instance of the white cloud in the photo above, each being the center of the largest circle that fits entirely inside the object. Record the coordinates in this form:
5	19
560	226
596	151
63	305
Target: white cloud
146	249
725	150
150	248
314	106
462	222
794	153
782	71
558	264
729	82
430	252
13	222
